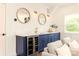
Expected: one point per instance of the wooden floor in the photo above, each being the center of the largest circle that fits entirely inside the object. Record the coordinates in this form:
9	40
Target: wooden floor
37	54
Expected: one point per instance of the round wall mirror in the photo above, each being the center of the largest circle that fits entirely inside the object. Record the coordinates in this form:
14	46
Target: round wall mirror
41	19
23	15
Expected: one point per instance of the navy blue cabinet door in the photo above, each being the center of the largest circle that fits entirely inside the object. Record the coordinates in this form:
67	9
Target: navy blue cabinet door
51	37
42	42
47	38
56	36
21	46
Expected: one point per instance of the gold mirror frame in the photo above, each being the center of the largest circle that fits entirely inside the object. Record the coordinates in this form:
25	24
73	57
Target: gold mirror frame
43	15
26	19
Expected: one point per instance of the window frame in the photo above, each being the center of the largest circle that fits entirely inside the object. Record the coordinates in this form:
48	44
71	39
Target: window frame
65	22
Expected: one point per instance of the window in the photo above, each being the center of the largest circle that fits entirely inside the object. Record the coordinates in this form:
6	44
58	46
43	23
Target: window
72	23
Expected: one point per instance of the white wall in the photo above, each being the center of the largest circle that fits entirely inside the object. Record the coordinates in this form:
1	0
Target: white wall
59	17
16	28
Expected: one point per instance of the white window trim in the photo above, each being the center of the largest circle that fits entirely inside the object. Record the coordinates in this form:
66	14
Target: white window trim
65	31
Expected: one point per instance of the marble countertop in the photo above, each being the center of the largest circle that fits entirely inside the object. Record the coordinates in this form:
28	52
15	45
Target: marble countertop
33	34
